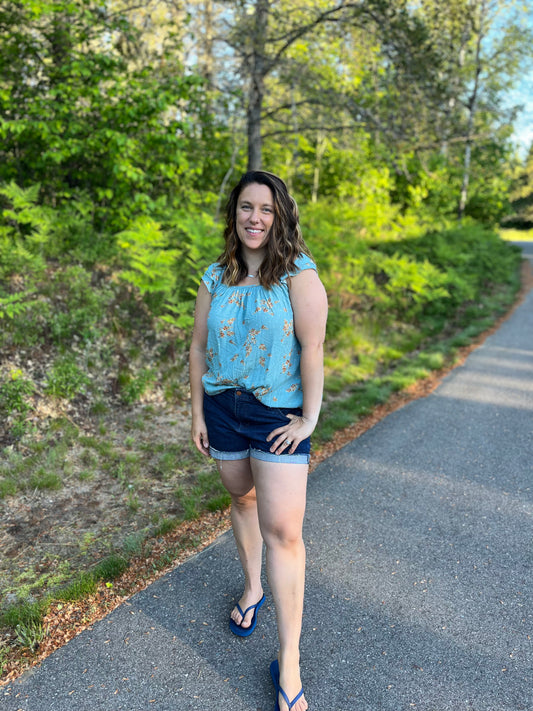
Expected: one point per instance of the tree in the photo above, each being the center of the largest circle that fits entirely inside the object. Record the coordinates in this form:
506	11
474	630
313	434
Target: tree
482	45
521	216
261	34
78	117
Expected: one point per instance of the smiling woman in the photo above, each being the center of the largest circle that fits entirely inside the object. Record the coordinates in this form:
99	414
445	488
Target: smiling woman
256	369
262	234
255	215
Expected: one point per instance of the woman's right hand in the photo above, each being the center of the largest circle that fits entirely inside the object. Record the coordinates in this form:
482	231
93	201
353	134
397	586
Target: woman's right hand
199	436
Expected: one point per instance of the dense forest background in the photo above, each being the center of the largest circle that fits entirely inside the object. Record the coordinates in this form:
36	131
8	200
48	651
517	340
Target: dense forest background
125	122
123	125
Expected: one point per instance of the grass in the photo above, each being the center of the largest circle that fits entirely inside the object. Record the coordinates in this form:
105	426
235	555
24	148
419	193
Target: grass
26	617
512	235
45	465
129	466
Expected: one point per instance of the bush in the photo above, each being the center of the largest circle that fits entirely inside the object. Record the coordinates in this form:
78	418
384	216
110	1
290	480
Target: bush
79	307
66	379
24	232
472	257
14	394
15	403
387	296
166	262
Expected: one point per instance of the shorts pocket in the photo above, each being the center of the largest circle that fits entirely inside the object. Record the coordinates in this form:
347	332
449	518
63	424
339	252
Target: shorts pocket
284	411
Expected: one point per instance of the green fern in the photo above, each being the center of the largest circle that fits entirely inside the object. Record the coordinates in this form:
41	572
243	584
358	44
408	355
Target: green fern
15	304
25	230
150	259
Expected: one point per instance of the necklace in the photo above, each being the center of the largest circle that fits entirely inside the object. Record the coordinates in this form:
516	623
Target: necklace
252	276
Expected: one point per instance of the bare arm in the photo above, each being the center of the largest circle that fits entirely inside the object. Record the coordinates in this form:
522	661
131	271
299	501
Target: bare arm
197	368
310	309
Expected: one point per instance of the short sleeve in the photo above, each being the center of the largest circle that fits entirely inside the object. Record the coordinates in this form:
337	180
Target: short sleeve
301	264
212	276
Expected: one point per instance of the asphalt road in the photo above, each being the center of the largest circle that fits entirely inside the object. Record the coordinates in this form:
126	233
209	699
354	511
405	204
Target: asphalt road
419	584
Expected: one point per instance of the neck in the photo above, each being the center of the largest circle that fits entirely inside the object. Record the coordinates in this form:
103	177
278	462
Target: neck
252	267
252	259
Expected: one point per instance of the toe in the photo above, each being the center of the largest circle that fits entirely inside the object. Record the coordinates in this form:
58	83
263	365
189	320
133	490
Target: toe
236	616
243	622
300	705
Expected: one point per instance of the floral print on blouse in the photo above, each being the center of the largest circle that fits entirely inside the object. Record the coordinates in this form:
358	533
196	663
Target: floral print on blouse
251	342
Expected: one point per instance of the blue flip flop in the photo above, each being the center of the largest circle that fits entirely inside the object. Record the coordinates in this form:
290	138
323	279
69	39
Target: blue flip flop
274	673
246	631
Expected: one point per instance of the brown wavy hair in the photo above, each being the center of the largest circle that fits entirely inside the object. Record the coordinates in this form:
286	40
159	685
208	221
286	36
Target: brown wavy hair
285	242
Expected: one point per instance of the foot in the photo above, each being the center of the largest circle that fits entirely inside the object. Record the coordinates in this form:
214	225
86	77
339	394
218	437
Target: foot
245	611
290	686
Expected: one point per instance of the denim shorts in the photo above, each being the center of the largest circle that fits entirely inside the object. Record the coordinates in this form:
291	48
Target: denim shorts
238	425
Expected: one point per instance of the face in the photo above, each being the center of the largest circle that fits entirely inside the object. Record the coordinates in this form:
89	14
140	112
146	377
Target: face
255	216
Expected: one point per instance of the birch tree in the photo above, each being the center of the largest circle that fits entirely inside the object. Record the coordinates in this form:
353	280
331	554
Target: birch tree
482	46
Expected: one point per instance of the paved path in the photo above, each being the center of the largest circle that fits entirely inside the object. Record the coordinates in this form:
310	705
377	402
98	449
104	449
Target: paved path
419	587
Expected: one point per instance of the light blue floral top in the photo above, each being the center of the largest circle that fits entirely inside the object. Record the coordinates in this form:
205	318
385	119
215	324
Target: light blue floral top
251	342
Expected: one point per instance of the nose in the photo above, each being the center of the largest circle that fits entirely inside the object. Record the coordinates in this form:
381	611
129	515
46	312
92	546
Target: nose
254	217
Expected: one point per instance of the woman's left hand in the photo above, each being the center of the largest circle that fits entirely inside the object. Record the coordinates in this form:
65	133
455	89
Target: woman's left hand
285	439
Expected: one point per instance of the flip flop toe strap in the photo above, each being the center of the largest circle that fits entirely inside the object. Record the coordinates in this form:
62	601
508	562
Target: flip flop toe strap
290	704
252	607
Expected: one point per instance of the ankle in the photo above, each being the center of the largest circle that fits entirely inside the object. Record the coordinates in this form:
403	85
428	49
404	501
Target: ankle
253	589
289	658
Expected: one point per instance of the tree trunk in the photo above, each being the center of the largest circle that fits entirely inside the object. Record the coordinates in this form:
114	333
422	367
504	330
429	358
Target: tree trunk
472	109
319	154
259	70
463	198
255	105
207	54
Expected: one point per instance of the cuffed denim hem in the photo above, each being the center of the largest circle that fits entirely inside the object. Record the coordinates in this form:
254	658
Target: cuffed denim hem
279	458
229	456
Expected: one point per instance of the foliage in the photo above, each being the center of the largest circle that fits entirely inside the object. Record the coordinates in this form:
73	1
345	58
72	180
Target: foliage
14	392
95	129
24	232
66	379
474	258
166	265
133	387
15	401
387	296
521	214
15	305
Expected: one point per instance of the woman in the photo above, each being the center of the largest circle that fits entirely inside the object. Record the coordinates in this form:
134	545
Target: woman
256	369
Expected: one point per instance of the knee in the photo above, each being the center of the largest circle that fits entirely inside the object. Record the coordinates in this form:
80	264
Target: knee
243	501
283	535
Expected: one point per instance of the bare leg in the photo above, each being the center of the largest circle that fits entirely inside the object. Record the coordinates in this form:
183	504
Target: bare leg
281	496
237	478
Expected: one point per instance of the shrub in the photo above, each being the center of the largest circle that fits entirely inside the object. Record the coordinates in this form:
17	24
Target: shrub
14	393
15	403
24	231
66	379
165	262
